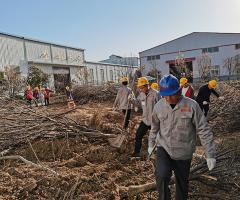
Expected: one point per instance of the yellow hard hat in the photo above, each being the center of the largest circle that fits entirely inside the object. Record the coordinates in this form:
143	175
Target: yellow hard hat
142	81
183	81
154	86
124	79
212	84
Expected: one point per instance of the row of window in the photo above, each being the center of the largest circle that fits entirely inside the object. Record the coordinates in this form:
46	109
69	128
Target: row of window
102	75
156	57
204	50
216	49
210	50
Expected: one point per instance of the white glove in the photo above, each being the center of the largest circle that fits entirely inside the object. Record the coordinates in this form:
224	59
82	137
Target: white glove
131	97
204	102
136	109
221	98
150	149
211	163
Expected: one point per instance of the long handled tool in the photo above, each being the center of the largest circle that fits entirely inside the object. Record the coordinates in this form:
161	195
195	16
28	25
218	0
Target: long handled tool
149	155
118	140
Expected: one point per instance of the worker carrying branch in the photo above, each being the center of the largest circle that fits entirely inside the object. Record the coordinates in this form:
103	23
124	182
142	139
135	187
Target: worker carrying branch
203	97
123	100
146	99
175	122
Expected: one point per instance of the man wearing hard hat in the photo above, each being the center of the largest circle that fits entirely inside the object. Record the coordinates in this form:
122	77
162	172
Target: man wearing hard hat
187	89
176	120
154	86
204	93
147	99
123	99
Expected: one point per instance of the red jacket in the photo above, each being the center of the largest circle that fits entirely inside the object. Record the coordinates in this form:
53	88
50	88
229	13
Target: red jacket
29	95
47	93
190	92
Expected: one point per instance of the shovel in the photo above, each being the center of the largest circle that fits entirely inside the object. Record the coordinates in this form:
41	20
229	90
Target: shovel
118	140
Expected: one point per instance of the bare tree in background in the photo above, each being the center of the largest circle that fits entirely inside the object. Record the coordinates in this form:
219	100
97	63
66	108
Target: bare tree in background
14	82
83	75
181	65
232	65
204	66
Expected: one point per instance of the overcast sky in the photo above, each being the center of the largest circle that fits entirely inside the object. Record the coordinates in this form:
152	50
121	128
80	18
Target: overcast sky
122	27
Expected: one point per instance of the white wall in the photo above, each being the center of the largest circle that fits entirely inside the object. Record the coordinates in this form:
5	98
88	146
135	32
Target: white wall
11	51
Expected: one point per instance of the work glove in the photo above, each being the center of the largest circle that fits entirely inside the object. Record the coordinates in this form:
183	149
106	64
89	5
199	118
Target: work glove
130	97
136	109
221	98
114	108
211	163
204	102
150	149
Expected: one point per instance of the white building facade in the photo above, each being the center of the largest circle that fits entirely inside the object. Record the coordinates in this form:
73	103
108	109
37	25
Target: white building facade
54	60
218	46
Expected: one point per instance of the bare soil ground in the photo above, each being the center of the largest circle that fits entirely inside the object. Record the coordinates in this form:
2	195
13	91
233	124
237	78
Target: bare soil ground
91	169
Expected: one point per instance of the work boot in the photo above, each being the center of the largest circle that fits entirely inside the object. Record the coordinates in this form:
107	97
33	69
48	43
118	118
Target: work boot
135	155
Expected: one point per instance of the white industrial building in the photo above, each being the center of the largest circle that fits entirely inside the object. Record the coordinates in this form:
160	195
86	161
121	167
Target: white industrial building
218	46
115	59
55	59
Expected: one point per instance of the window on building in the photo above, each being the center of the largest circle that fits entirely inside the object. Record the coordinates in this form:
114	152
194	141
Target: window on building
111	75
91	75
155	57
215	70
210	50
102	75
1	75
237	46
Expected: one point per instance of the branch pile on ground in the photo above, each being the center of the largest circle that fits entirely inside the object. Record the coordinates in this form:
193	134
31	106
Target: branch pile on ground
224	178
18	123
88	93
225	115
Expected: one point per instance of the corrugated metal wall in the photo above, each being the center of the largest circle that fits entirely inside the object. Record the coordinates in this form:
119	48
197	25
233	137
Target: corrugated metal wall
11	51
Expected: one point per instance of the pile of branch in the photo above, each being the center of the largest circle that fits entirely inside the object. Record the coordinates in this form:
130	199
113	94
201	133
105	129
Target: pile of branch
88	93
224	115
224	177
18	123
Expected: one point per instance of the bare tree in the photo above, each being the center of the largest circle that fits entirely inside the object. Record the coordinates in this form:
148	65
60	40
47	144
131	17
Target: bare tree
232	64
181	65
83	75
13	79
204	65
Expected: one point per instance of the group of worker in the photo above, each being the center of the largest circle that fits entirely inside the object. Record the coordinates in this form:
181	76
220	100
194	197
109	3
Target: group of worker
174	119
39	95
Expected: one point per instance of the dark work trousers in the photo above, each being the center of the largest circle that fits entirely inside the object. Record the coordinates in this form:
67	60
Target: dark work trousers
46	101
141	131
204	108
126	122
164	167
